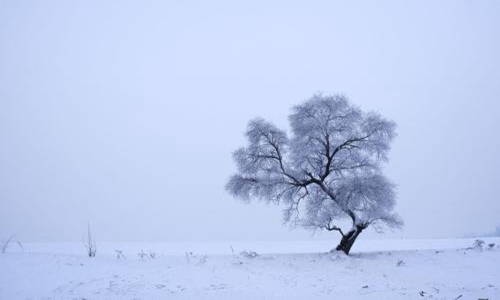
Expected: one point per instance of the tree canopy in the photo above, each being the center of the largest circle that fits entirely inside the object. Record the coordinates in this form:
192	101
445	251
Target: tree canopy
327	170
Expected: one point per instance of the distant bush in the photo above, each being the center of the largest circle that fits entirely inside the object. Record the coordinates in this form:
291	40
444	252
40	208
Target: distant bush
478	244
119	254
201	259
481	245
249	254
151	255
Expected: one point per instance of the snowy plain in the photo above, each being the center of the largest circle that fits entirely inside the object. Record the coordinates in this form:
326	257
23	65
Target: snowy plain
376	269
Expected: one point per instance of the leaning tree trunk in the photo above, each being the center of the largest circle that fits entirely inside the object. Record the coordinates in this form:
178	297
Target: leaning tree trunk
348	239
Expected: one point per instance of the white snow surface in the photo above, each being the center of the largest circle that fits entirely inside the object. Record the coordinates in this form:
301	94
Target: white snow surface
376	269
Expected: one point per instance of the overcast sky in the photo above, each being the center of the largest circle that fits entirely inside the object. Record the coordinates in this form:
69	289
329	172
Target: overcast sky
125	114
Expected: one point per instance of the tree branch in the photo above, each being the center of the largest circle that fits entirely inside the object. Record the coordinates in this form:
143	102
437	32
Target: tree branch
331	227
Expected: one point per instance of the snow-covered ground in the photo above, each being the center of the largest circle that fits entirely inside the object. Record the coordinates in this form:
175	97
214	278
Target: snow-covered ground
377	269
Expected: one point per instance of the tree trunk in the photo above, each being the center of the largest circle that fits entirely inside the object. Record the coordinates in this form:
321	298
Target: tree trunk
348	239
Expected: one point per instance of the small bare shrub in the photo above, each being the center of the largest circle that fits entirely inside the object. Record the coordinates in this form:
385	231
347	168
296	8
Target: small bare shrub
150	254
7	242
119	254
89	243
202	260
188	257
478	245
249	254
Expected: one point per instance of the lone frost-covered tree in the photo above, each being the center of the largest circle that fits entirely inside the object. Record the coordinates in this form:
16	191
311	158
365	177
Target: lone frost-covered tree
328	171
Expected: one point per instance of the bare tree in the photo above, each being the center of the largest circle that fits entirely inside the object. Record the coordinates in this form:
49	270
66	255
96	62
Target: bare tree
89	243
328	171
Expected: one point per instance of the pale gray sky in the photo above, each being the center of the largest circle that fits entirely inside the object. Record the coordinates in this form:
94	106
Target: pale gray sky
125	113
